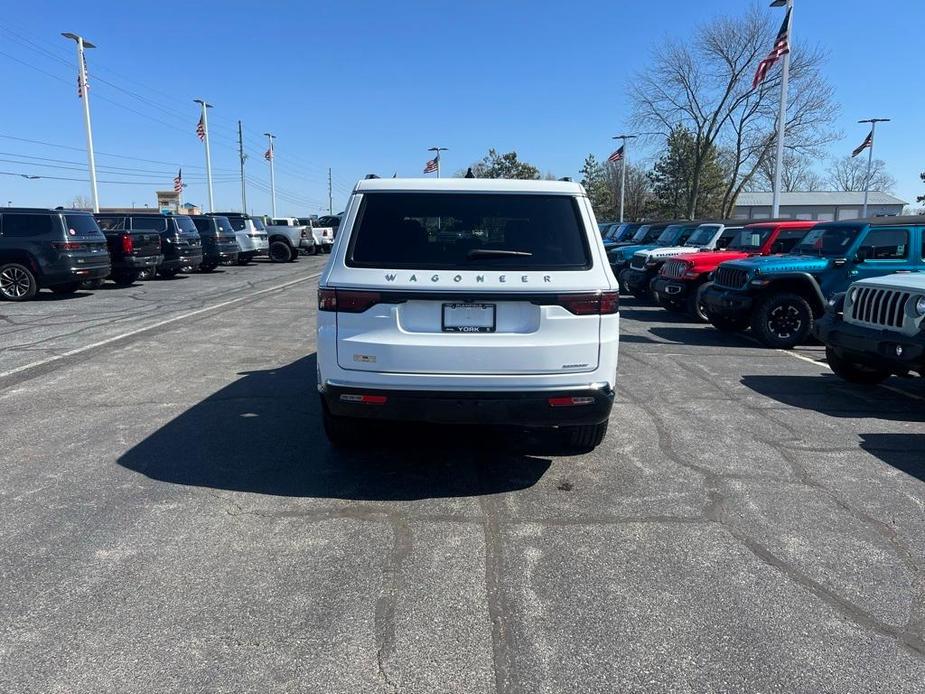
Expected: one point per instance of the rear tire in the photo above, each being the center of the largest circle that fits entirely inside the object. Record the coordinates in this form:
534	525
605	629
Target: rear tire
586	437
207	267
782	321
68	288
125	279
244	258
280	252
17	283
855	372
314	250
167	274
92	284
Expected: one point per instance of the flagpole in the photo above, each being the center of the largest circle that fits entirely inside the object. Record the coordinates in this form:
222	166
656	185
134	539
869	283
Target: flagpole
870	157
782	114
271	150
82	83
625	139
205	128
437	156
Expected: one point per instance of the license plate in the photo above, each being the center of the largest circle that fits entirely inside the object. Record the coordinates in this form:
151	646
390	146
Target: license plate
468	318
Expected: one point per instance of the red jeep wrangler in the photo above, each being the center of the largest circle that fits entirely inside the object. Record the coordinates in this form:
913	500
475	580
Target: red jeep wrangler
681	278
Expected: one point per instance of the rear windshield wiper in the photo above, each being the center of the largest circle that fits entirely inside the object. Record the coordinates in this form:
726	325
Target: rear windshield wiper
495	253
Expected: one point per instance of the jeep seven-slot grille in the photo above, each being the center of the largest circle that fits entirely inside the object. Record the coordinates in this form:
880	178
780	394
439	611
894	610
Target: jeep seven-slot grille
731	277
674	269
881	307
639	261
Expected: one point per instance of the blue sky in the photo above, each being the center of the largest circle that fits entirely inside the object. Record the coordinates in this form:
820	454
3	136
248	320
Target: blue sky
366	86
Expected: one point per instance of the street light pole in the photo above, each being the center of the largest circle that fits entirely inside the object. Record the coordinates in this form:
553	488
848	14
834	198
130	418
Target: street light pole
82	91
242	156
205	127
271	155
870	157
782	112
624	138
437	156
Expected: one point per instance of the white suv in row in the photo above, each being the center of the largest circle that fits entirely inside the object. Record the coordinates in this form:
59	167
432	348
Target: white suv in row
468	301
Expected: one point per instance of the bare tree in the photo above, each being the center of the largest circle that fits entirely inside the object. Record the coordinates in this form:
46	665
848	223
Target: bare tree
81	202
849	173
705	85
637	204
798	174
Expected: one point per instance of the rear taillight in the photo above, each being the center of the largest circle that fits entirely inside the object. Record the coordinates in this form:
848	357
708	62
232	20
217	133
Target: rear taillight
570	401
364	399
599	303
346	301
128	243
69	246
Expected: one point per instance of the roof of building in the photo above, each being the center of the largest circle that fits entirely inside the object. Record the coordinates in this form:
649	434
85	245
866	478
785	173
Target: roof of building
469	185
819	197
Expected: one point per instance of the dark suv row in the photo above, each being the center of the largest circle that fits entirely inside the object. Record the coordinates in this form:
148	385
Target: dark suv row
54	249
180	244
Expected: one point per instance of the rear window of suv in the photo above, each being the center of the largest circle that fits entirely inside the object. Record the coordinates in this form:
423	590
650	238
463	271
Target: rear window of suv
469	231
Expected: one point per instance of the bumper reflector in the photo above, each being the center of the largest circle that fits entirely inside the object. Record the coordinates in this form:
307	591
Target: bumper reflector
364	399
570	401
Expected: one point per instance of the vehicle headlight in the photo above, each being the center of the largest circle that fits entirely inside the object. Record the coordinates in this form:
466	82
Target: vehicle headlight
920	306
852	293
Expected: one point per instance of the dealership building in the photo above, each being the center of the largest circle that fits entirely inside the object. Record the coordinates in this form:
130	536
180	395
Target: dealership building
821	205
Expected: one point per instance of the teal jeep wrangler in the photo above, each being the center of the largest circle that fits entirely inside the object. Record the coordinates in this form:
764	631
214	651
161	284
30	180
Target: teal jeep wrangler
780	296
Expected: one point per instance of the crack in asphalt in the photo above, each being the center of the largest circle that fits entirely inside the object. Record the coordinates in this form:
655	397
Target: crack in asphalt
387	603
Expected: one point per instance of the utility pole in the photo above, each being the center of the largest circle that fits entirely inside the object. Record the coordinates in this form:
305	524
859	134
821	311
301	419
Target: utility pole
870	157
204	120
82	92
330	192
437	156
782	112
242	156
623	159
269	156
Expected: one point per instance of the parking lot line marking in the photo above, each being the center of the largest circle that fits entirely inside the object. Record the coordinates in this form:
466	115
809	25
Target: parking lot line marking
159	324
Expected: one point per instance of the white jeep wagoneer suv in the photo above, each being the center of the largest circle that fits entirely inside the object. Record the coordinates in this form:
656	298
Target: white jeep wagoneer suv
468	301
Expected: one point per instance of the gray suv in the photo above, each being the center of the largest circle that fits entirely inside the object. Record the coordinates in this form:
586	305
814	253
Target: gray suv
54	249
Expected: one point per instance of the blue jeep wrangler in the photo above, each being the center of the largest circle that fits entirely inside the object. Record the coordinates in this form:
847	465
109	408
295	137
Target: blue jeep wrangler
780	296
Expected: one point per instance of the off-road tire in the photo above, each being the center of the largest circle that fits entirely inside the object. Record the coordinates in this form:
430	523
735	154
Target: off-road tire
208	267
244	258
17	283
92	285
314	250
167	274
584	438
782	320
855	372
279	252
68	288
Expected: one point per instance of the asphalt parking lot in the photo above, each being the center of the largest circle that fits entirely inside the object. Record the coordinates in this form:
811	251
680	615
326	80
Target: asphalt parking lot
172	518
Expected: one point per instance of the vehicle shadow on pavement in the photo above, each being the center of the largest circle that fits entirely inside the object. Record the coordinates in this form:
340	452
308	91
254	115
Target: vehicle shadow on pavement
901	451
829	395
701	336
262	433
51	296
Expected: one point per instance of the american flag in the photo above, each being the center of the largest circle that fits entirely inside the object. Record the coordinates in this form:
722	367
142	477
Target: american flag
868	142
617	155
432	164
781	48
268	155
178	182
82	78
201	129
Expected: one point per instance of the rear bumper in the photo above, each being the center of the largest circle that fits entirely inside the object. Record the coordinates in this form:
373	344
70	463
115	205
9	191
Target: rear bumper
670	290
870	345
181	262
75	274
725	302
515	408
136	262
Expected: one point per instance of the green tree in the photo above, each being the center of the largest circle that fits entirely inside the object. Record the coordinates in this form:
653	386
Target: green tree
495	165
595	181
678	194
921	198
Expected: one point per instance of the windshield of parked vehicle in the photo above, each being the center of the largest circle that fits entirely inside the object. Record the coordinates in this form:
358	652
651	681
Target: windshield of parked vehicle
186	224
149	223
237	223
641	233
751	240
258	224
624	232
81	225
671	236
224	225
469	231
702	235
831	242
